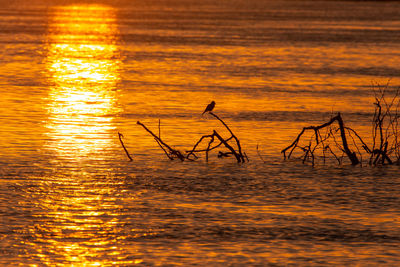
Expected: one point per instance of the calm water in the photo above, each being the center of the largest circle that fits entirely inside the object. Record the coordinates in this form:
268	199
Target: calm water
74	75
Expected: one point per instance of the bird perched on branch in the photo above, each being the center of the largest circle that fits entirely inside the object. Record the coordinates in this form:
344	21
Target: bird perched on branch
209	107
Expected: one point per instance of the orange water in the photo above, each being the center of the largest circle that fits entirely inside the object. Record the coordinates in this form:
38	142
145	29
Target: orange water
74	75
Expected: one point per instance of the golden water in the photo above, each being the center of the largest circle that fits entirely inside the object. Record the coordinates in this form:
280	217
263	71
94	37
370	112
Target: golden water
74	75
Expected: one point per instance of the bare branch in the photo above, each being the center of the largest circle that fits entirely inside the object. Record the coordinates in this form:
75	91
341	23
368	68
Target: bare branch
122	143
172	152
310	152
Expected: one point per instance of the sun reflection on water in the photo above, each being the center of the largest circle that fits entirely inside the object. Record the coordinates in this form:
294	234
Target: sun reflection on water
83	68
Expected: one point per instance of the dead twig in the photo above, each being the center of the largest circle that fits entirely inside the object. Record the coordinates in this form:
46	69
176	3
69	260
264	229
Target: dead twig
259	155
123	145
170	152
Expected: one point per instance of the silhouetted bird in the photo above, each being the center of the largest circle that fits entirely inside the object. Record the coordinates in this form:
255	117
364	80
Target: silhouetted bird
209	107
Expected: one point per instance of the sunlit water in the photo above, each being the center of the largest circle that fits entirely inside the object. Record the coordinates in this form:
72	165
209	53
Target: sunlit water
74	75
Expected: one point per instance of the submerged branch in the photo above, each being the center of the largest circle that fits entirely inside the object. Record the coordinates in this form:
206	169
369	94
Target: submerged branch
239	153
171	152
123	145
309	152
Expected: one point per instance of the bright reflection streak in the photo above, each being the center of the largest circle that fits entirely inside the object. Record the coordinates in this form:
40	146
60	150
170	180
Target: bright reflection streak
83	70
83	64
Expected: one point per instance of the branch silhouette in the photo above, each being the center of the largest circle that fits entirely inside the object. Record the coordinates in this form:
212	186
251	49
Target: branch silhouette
309	150
123	145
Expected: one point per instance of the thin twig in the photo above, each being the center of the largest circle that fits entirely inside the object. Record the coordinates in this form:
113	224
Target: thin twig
258	153
122	143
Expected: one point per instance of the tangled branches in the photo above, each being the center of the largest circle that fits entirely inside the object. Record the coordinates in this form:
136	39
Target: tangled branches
385	148
239	155
309	150
385	128
215	140
331	140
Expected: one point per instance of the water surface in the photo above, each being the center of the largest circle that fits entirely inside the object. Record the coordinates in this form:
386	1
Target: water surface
74	75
